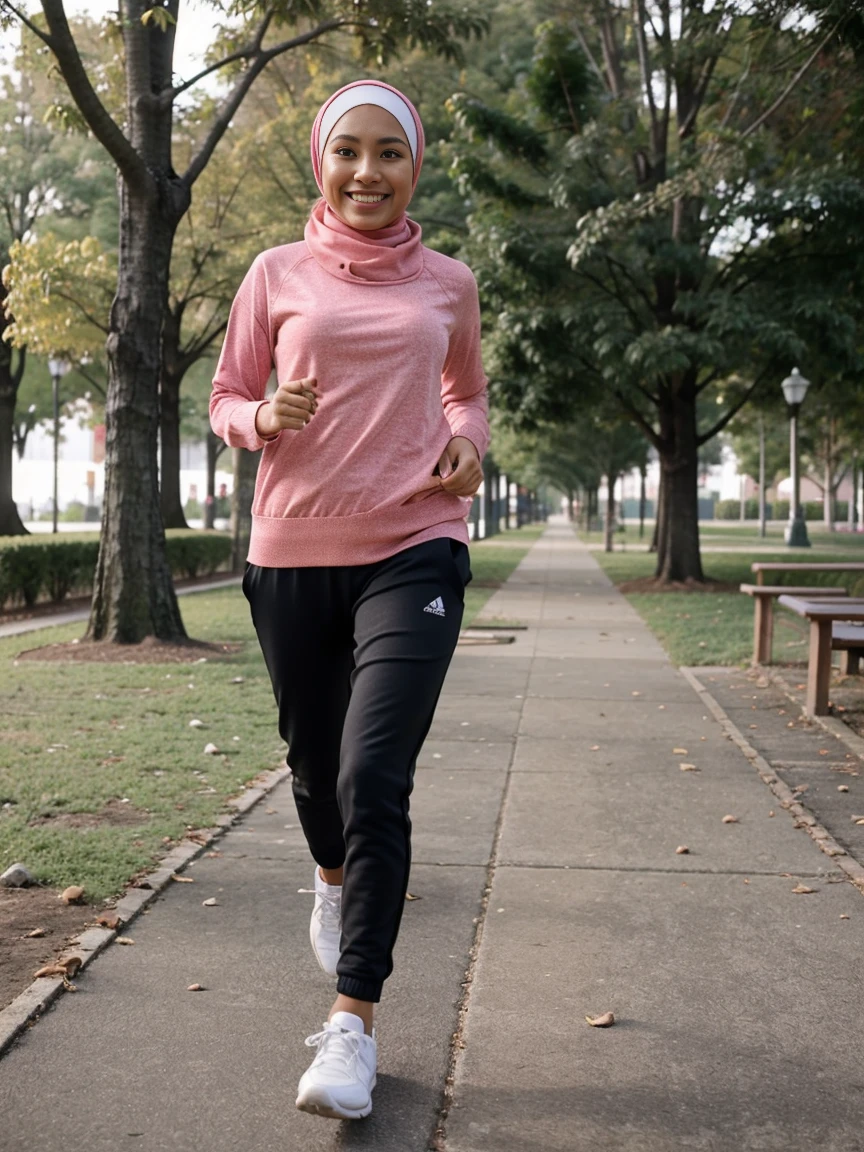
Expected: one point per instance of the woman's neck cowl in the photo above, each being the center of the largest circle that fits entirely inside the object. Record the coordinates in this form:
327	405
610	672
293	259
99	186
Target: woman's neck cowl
391	255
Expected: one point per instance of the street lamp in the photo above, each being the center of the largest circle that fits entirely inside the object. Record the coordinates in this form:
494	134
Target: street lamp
58	369
794	390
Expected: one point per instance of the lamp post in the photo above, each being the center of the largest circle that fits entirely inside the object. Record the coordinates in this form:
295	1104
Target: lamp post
794	390
58	369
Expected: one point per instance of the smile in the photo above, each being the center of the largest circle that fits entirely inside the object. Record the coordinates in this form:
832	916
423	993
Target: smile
367	197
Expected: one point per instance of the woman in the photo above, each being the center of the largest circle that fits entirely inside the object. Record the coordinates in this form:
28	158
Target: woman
358	556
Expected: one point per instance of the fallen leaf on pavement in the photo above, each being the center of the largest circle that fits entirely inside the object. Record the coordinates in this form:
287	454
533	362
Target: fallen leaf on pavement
730	819
688	767
843	916
211	903
679	751
65	968
108	920
803	890
182	879
124	940
72	894
604	1021
842	787
682	850
195	988
595	747
36	933
411	896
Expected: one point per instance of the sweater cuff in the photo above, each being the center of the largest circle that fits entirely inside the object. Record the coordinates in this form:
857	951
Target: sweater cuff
477	434
244	432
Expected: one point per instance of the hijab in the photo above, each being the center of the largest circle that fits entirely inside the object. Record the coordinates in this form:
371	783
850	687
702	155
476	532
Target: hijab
390	255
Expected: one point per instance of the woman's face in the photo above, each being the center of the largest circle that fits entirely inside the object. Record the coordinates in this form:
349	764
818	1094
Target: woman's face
367	171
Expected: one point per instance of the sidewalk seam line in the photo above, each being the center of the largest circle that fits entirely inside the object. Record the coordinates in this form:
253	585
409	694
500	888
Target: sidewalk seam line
438	1139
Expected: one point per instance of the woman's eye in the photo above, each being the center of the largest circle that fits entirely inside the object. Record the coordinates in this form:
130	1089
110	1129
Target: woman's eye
344	152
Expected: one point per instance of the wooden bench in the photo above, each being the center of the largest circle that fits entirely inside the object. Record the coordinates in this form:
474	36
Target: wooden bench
825	637
764	596
761	567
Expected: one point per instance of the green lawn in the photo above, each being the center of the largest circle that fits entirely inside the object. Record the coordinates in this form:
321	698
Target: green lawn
79	737
717	627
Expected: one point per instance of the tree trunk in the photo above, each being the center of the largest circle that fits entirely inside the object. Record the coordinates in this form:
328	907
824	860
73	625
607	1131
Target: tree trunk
170	499
133	595
642	500
10	521
10	380
609	541
215	447
678	556
828	493
851	512
659	513
245	473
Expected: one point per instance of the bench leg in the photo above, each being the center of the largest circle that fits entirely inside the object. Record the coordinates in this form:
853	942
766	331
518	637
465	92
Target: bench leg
763	629
850	661
819	668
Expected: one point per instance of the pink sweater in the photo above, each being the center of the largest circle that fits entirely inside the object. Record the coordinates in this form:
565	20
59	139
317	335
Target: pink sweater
391	331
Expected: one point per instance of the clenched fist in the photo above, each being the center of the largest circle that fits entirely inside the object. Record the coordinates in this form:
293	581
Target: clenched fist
291	406
459	468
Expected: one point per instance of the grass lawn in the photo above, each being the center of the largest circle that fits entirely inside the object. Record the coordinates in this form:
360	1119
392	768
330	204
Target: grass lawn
717	627
113	740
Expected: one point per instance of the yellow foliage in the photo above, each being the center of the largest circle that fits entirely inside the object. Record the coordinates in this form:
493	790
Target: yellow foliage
59	296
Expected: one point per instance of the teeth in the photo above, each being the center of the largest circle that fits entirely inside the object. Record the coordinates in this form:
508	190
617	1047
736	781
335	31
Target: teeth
361	199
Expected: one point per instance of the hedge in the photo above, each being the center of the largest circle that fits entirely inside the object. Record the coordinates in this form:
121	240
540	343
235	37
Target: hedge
778	510
51	567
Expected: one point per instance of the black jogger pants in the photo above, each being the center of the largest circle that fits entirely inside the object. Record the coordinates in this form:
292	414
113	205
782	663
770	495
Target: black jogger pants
357	657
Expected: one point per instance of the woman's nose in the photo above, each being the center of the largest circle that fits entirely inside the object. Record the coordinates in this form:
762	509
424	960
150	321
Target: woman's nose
366	170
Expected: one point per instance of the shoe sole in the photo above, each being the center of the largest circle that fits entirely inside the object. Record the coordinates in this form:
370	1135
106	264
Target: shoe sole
324	1106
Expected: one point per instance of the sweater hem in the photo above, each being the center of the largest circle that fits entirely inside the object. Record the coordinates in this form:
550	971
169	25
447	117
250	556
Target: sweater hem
347	541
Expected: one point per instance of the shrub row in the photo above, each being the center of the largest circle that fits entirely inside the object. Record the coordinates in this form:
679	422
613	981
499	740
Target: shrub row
50	567
778	510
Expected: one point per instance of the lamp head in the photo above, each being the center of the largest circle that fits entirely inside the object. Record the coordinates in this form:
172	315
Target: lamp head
57	366
795	388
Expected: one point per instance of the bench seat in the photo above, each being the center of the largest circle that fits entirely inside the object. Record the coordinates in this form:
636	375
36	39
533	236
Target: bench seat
764	596
848	639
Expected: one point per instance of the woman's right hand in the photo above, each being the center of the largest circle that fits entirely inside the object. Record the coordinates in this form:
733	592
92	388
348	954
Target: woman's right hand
291	406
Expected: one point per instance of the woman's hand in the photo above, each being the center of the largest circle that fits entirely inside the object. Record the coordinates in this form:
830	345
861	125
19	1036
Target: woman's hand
291	406
459	468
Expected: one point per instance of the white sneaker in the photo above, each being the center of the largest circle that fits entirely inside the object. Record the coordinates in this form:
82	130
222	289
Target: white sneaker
340	1080
325	927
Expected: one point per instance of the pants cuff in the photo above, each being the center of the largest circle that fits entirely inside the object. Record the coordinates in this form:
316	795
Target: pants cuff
359	989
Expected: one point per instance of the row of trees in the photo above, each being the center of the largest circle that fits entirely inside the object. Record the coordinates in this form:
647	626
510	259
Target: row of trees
660	201
666	204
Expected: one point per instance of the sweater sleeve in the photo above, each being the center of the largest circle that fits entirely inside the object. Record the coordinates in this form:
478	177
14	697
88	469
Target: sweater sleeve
245	365
463	381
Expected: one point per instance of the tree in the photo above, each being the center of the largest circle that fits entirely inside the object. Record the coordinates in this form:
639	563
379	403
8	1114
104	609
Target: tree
657	205
40	175
133	593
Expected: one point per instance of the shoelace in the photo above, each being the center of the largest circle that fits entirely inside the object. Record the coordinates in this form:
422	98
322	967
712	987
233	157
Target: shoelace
331	908
333	1041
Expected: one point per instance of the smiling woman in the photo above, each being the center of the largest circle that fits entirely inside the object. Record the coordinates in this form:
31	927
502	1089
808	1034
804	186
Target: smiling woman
367	170
358	559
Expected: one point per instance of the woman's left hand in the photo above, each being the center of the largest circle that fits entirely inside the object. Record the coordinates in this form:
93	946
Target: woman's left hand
459	468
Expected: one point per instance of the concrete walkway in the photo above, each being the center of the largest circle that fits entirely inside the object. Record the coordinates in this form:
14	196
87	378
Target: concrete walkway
552	775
